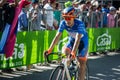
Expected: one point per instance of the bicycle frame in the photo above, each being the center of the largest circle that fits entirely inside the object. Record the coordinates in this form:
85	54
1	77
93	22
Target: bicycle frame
66	68
66	64
70	69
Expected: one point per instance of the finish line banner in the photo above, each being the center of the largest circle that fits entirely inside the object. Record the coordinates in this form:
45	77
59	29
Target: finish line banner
30	46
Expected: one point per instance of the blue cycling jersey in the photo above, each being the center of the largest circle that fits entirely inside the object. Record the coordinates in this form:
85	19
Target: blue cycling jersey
78	27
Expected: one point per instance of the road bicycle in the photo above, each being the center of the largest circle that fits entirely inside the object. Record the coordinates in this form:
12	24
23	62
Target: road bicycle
66	69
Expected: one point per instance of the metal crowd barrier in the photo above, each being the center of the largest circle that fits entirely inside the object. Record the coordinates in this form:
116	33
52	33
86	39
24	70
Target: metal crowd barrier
83	16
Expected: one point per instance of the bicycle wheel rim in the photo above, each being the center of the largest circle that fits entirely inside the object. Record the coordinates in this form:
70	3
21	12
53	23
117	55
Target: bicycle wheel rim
58	74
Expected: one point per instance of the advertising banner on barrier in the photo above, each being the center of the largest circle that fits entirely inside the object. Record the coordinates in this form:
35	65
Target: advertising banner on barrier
29	46
103	39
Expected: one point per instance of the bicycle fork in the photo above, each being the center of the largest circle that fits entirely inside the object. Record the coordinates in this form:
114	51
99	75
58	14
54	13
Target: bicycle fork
68	74
67	71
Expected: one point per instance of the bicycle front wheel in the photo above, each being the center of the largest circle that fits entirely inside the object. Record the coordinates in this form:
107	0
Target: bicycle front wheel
58	73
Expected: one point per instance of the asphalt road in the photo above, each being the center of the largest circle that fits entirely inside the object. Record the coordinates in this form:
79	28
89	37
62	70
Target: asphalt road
102	67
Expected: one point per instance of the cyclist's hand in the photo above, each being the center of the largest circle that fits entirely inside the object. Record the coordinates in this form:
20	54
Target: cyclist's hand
46	53
72	55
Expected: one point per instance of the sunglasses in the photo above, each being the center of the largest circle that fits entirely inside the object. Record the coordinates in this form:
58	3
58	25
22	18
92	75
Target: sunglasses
68	18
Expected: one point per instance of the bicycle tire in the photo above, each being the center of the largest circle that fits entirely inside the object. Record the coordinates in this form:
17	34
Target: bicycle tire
58	73
87	72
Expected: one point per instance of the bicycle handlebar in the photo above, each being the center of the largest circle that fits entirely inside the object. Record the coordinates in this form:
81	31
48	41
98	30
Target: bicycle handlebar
60	56
47	56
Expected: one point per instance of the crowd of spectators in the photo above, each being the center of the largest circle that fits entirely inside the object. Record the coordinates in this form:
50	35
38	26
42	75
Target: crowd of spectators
98	15
93	13
46	15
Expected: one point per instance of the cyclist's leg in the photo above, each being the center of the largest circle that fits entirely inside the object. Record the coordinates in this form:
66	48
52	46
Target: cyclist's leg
67	48
82	58
82	69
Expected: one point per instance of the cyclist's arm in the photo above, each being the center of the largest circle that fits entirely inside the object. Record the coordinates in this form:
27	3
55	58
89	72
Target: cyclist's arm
77	42
55	40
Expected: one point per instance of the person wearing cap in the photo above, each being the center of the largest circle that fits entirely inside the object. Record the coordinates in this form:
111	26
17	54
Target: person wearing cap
111	17
49	19
76	5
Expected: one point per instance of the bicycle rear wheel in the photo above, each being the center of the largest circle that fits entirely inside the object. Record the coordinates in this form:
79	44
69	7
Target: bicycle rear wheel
58	73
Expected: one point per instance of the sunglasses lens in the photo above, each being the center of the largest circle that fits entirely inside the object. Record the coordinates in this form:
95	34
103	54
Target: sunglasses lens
67	18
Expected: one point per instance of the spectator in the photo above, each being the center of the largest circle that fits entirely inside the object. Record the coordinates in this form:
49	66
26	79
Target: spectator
111	17
2	2
42	3
49	19
35	16
108	4
92	17
23	19
105	10
7	8
57	14
88	4
75	3
76	6
83	14
99	14
57	6
118	12
10	10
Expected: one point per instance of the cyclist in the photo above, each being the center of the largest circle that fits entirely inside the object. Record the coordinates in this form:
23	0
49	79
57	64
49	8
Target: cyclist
78	38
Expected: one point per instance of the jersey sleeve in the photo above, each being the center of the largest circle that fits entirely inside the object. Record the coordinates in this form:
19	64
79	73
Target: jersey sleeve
81	28
61	26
